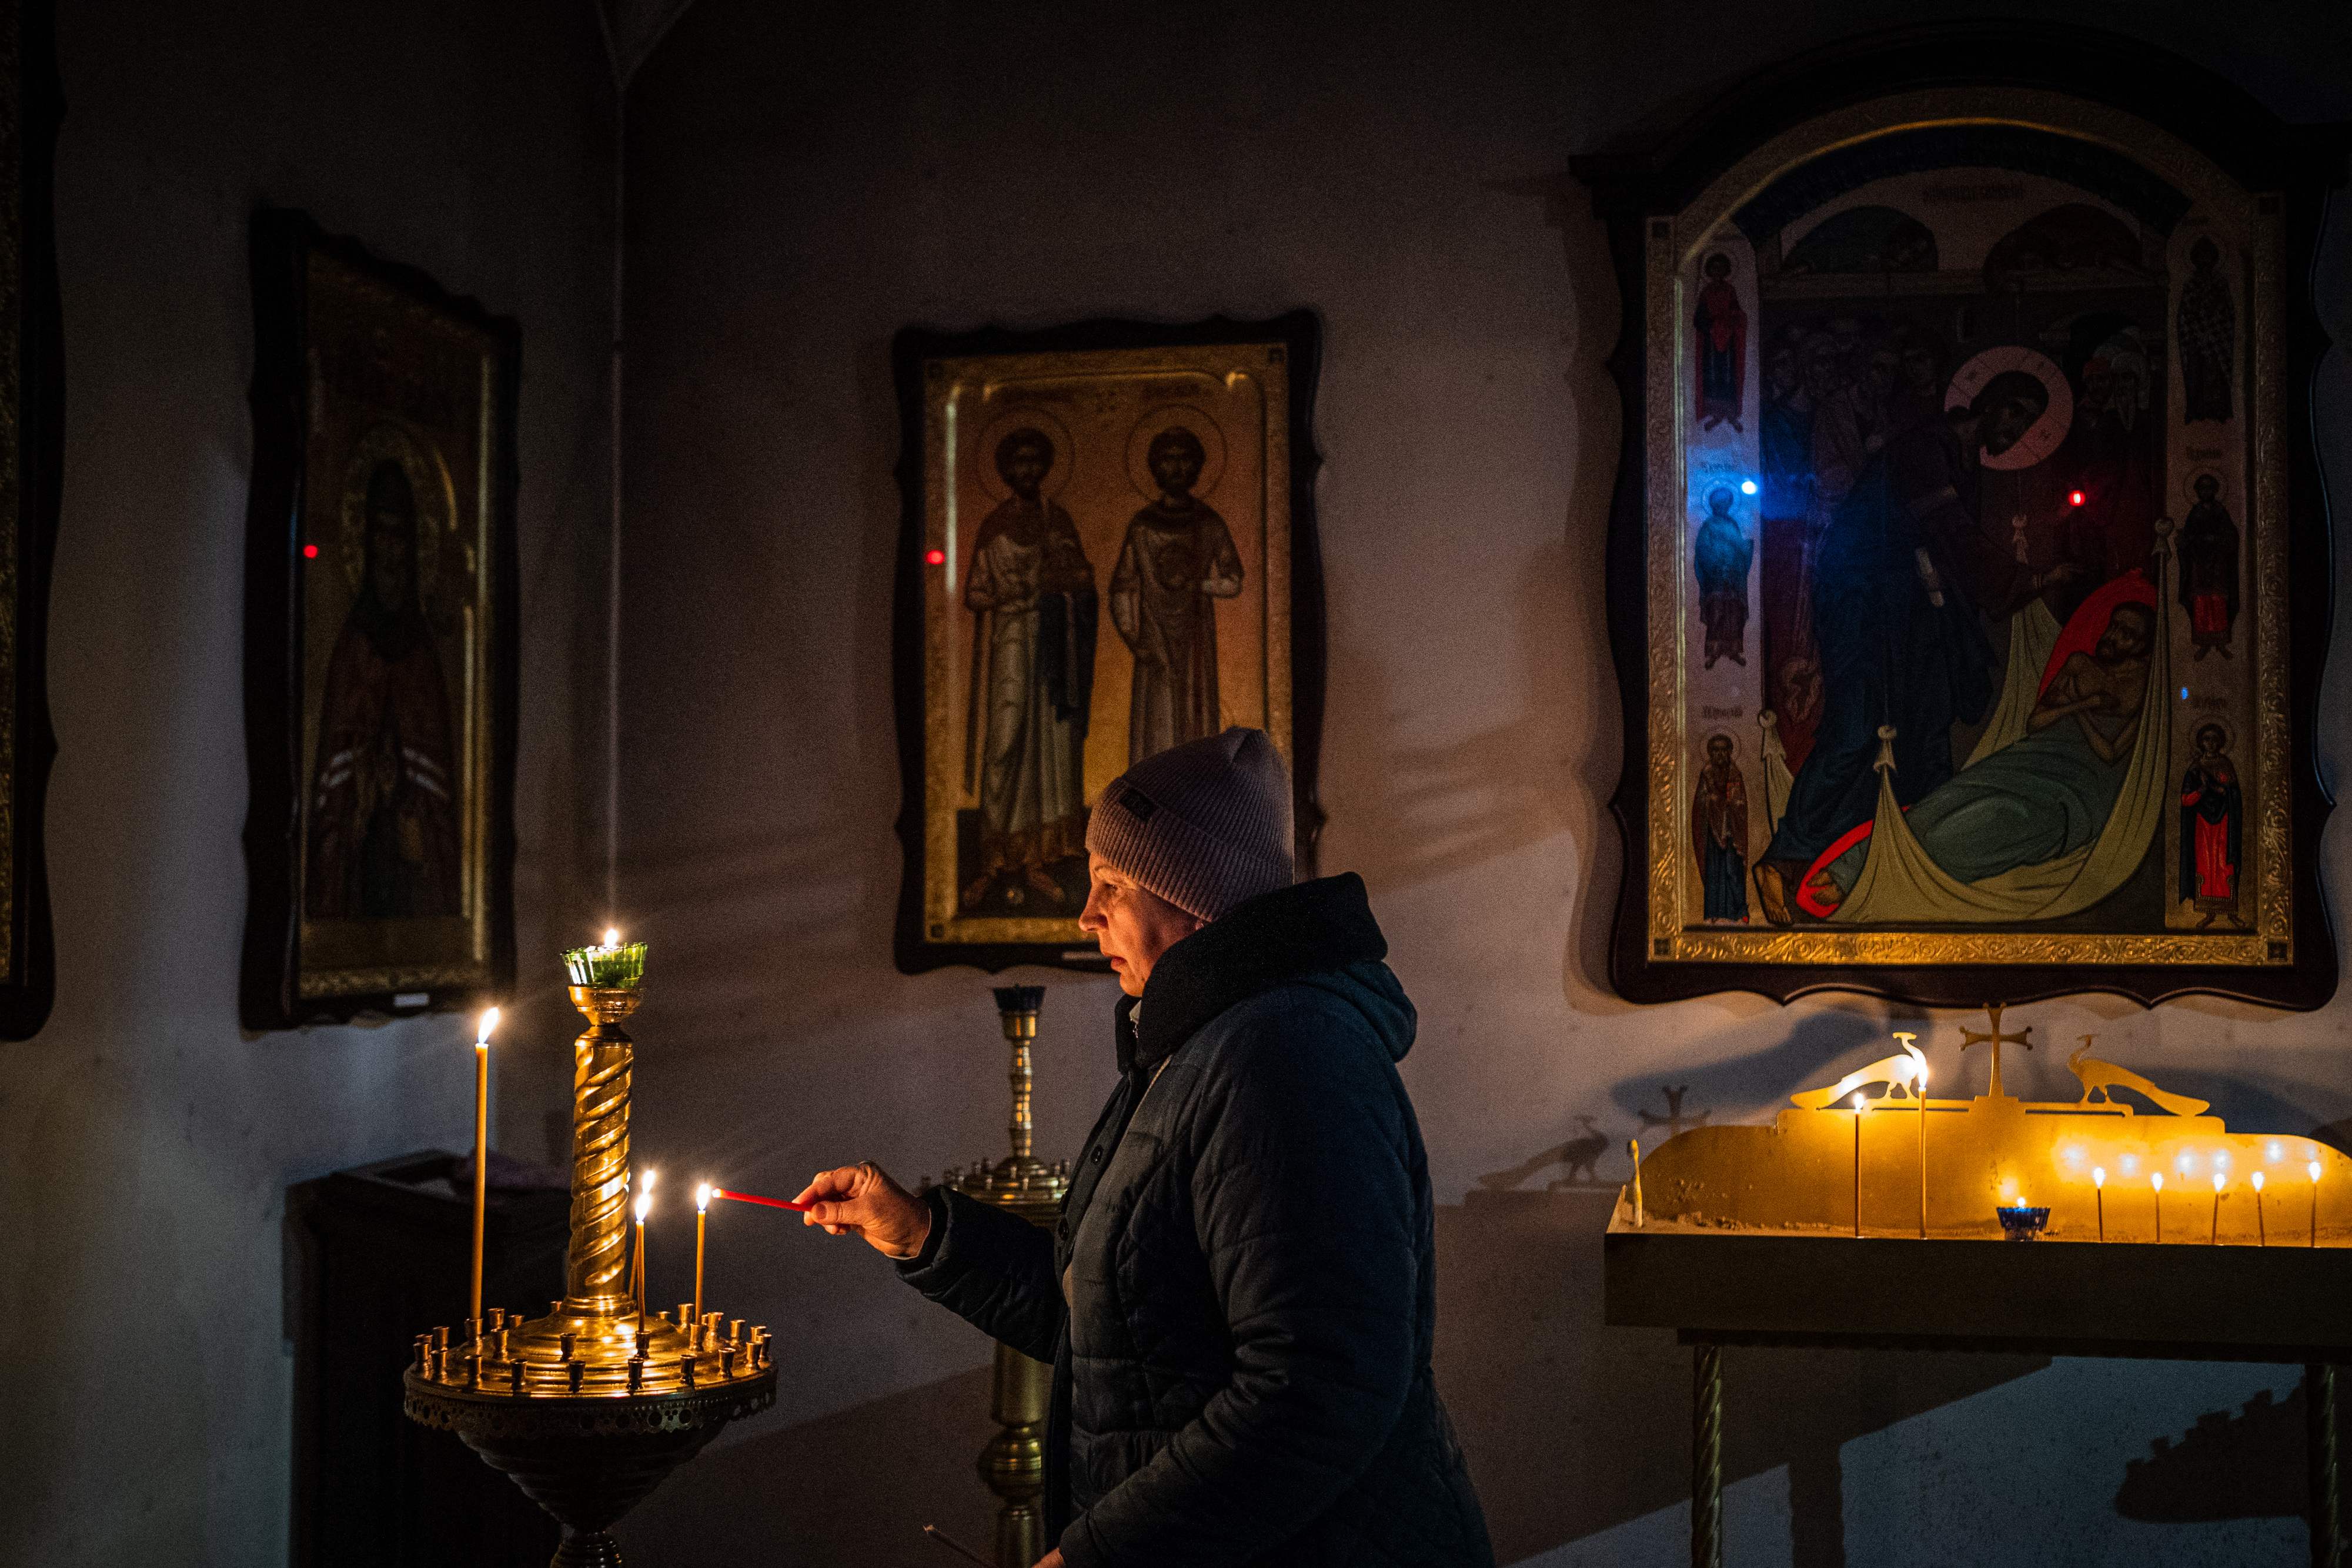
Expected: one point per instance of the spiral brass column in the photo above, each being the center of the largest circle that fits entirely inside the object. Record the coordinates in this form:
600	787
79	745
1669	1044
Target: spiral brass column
1013	1464
596	1272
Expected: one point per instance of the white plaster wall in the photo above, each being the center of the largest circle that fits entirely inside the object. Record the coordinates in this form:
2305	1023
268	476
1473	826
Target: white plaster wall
145	1143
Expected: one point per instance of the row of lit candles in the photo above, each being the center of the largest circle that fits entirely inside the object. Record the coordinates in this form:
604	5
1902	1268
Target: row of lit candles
2220	1187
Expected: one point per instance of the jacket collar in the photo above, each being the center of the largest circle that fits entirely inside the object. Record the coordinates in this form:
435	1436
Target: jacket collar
1306	929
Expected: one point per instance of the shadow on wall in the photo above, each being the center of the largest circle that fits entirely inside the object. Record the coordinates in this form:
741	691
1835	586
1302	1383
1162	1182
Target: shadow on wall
2249	1464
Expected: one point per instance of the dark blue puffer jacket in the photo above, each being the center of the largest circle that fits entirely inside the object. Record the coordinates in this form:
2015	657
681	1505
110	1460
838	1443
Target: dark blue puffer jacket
1242	1361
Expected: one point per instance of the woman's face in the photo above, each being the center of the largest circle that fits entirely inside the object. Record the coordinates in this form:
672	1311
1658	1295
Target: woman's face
1133	924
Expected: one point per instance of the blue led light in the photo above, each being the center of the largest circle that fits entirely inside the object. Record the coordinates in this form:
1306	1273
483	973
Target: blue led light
2184	694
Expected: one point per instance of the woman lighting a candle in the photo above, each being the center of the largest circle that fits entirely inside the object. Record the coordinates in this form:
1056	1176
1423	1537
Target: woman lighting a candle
1246	1255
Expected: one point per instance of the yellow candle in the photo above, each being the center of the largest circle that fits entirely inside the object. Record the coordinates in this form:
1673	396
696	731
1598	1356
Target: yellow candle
1860	1105
2261	1233
701	1216
481	1156
2313	1168
2156	1179
2099	1196
2220	1181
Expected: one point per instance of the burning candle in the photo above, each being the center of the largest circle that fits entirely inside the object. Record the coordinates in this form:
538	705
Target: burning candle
2220	1181
2158	1178
1915	1080
612	963
2261	1234
2313	1168
701	1217
637	1268
481	1154
2099	1196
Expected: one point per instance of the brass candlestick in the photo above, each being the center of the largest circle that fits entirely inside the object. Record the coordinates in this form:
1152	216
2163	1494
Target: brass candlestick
1012	1465
589	1407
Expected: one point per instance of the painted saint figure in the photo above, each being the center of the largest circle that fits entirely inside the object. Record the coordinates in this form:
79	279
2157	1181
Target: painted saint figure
1177	561
2209	570
1032	597
382	841
1719	833
1722	556
2212	827
1722	347
1902	574
2206	324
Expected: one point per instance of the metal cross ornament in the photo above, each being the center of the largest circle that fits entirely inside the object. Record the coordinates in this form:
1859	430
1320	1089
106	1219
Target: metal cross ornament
1994	1038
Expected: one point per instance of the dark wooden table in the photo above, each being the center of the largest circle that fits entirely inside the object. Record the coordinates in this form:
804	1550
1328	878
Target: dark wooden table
2175	1302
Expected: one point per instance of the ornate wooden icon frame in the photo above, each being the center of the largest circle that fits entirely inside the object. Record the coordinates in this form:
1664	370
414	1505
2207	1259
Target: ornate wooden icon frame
1658	200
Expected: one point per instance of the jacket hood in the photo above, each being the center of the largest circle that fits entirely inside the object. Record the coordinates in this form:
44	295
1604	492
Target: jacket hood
1318	932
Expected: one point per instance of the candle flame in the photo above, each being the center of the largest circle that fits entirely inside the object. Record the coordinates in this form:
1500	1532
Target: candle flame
2258	1181
2220	1181
489	1022
702	1197
2158	1177
612	936
645	1205
2313	1168
2099	1176
646	1182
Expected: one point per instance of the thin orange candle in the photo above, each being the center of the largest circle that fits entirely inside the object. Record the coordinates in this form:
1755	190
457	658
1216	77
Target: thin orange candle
481	1157
2313	1168
2220	1181
2262	1232
2156	1179
2099	1196
701	1218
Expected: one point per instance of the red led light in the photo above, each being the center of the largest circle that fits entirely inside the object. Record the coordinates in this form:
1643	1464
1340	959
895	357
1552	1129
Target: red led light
936	557
310	552
2075	498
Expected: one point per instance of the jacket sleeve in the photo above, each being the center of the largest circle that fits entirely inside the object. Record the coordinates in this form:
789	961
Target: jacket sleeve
994	1270
1305	1210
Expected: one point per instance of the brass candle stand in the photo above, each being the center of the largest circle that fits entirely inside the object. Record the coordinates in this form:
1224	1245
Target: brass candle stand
589	1407
1012	1465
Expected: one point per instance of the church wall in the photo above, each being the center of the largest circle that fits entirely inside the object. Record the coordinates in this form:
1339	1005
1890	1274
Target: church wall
801	192
146	1141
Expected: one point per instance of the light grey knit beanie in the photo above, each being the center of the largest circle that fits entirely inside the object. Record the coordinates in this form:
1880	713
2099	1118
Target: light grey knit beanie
1205	825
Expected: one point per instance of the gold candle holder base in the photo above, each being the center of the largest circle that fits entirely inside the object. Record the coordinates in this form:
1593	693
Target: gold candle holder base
589	1407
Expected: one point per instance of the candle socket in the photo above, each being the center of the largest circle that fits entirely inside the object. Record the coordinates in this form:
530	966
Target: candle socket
685	1367
636	1373
578	1372
566	1343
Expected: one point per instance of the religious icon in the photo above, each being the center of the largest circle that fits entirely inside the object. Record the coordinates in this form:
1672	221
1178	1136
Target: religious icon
1721	557
2209	568
2205	327
1997	523
1176	562
382	847
1719	833
1030	592
2212	827
1722	347
1106	528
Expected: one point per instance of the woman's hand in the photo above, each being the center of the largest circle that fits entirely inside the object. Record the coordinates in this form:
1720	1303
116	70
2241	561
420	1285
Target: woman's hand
1051	1560
861	1200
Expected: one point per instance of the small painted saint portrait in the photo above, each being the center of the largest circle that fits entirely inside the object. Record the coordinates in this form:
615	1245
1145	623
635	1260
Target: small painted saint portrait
2209	568
2213	829
1178	559
2205	326
1721	557
1722	346
1719	833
